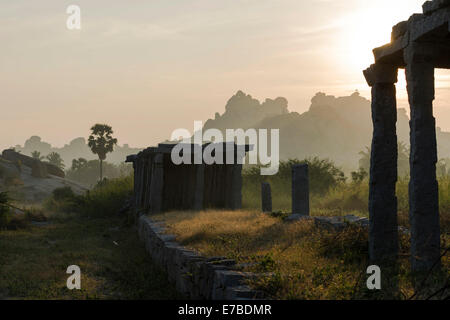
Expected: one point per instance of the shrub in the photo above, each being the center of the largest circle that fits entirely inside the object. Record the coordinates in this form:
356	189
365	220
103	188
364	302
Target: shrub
323	176
106	198
63	193
4	209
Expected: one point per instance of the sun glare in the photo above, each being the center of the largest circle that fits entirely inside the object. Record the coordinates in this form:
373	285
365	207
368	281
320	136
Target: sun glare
371	27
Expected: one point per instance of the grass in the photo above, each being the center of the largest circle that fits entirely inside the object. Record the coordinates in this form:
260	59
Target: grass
84	231
113	262
303	262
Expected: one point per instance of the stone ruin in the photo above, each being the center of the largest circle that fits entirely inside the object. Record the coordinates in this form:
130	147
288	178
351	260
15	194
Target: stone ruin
39	168
419	45
161	186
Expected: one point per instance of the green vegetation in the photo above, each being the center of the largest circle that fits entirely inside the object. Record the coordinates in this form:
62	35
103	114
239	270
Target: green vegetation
105	199
55	159
37	155
113	262
324	176
82	230
86	172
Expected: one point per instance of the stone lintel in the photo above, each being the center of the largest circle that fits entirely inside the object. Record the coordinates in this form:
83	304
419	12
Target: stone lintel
392	53
381	73
429	27
433	27
431	6
399	30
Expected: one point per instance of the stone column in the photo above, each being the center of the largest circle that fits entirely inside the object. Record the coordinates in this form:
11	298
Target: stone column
266	197
383	225
423	187
157	184
236	191
199	186
300	189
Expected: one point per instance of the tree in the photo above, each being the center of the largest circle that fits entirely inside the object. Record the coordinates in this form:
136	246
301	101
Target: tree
55	159
101	142
78	164
37	155
402	159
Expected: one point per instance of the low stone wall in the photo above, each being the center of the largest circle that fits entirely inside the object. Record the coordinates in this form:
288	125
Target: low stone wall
195	276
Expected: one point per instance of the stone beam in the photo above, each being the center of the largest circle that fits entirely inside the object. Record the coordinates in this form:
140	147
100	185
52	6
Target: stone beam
434	26
431	6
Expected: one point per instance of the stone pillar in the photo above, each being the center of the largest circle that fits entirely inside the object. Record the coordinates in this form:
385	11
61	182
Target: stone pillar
157	184
383	225
266	197
236	191
199	187
423	187
300	189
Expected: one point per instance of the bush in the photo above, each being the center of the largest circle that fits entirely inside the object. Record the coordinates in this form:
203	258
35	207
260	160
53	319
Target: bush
4	209
106	198
323	176
63	193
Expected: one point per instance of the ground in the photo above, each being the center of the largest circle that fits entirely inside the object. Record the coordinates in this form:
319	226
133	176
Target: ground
300	260
113	262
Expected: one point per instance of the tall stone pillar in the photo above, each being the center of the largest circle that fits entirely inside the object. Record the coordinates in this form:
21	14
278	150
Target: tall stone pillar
423	187
383	225
266	197
199	186
300	189
157	184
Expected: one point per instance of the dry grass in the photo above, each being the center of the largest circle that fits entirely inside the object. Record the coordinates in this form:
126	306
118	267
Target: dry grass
304	262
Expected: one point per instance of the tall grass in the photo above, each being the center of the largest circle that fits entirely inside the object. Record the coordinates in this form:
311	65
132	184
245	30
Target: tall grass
335	196
324	175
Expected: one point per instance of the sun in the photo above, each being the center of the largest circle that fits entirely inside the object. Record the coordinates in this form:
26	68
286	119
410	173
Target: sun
371	27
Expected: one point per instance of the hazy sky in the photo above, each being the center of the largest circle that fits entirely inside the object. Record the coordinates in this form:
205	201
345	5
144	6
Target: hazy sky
149	67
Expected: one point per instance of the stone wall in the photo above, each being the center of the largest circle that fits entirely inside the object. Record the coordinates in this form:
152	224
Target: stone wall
195	276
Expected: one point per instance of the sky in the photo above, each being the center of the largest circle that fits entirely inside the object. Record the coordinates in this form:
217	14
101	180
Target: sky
150	67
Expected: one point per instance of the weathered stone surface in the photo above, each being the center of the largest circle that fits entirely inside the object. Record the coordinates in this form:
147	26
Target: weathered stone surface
423	187
431	6
297	217
383	231
39	170
193	275
340	223
157	184
399	30
432	27
266	197
420	45
300	189
236	191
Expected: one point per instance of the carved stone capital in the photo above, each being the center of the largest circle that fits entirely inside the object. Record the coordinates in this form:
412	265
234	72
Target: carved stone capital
381	73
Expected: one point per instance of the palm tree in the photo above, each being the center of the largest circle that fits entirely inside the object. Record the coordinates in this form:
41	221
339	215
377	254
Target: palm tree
55	159
101	142
37	155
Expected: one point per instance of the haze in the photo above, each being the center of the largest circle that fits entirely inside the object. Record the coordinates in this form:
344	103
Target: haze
149	67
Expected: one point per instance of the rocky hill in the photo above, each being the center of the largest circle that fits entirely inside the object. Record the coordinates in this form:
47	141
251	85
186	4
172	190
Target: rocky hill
337	128
30	180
